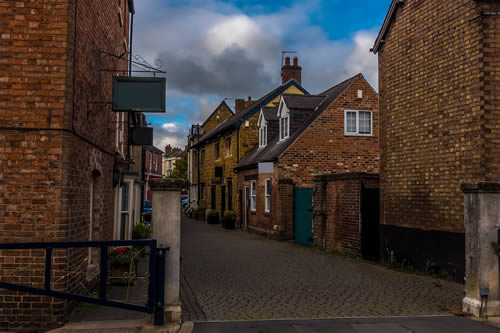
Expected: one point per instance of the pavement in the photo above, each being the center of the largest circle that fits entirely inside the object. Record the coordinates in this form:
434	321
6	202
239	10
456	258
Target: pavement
237	276
433	324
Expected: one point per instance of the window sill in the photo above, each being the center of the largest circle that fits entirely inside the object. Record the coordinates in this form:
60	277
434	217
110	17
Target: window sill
253	212
267	213
354	134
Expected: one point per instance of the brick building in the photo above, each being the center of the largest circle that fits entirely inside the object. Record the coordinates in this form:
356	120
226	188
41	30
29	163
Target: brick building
152	167
439	65
59	145
195	165
220	149
170	156
304	136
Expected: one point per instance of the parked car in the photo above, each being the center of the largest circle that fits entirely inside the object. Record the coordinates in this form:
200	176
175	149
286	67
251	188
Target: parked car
146	210
184	200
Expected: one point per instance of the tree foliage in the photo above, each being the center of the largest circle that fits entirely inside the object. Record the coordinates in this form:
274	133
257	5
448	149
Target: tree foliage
180	170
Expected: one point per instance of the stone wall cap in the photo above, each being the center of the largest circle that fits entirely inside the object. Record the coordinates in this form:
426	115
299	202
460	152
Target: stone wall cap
167	184
481	187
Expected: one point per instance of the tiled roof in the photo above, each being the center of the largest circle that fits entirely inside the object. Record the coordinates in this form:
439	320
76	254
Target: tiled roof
302	101
270	114
300	120
153	148
236	120
178	153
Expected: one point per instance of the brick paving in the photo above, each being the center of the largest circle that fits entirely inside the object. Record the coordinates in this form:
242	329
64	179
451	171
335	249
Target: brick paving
233	275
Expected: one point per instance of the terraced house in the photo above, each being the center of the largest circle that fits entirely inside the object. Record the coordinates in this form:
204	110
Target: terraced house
196	157
220	149
335	132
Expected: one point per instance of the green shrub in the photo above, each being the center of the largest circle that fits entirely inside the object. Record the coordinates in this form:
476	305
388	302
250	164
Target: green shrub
230	214
140	231
212	212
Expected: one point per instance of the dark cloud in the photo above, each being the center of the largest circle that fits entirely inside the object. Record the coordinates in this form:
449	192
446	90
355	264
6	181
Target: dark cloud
231	73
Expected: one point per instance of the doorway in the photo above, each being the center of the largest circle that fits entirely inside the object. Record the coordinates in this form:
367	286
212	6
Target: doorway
370	223
303	213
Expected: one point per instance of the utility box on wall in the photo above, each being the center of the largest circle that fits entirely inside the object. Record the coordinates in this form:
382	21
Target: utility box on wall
138	94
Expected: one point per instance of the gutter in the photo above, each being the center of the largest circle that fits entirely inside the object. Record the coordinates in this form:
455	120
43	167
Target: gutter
387	22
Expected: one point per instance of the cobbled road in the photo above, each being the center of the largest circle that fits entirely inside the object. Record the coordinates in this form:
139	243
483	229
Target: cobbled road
234	275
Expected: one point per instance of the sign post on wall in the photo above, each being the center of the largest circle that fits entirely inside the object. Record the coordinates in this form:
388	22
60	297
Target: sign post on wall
138	94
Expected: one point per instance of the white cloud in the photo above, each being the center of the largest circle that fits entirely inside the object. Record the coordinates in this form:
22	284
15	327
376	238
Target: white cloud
172	133
361	61
212	50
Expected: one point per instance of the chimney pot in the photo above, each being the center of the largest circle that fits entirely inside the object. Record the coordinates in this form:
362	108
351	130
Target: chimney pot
291	72
249	98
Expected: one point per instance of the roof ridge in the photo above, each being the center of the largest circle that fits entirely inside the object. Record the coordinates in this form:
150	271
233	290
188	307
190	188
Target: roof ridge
338	84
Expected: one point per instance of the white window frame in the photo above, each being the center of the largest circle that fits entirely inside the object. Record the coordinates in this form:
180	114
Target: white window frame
253	195
263	136
284	132
356	133
150	161
267	197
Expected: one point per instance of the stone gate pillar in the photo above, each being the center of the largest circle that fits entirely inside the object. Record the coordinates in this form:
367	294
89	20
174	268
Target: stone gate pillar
482	221
166	229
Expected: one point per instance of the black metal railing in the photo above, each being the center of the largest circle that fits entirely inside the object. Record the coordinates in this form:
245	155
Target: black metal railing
156	286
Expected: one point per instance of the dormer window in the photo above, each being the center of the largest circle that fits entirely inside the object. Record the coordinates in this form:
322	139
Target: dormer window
284	127
263	136
284	117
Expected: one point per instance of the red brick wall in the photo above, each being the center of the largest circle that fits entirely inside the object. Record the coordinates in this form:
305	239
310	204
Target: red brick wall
278	223
155	168
323	148
52	140
320	149
336	220
438	78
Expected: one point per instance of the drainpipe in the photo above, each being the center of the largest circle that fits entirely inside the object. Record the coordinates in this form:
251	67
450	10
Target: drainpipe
198	171
324	187
238	144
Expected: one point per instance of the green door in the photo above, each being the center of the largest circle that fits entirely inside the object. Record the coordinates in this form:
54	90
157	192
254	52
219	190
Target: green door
303	215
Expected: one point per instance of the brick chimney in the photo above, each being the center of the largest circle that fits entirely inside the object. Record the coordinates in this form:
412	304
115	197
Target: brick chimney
168	149
291	71
239	105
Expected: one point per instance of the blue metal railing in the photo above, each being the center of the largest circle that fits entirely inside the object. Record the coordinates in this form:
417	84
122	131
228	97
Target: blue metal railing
156	286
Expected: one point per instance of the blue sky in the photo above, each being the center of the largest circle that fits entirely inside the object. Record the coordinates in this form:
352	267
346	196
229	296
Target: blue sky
216	49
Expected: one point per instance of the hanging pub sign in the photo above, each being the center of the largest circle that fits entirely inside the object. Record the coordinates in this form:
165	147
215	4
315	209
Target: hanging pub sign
141	136
138	94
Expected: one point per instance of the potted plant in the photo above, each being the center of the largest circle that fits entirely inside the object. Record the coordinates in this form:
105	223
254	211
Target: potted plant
140	231
122	263
229	219
201	211
212	216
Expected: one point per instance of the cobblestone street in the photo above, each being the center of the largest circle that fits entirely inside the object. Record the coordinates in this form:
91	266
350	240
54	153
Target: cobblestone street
233	275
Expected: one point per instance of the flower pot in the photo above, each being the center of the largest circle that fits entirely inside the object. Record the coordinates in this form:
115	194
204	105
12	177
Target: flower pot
123	275
212	219
228	223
